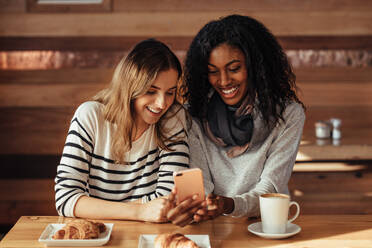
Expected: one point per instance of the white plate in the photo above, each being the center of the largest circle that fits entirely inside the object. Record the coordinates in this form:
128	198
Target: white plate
46	237
256	228
147	240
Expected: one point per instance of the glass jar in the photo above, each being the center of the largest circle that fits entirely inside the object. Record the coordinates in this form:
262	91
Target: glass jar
322	129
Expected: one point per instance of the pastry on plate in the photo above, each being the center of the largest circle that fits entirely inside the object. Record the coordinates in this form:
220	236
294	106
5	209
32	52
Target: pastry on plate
173	240
80	229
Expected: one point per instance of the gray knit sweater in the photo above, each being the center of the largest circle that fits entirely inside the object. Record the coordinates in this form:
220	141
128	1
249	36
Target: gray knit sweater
265	167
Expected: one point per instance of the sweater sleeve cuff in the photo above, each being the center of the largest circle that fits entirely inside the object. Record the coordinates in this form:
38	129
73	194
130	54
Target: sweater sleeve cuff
239	209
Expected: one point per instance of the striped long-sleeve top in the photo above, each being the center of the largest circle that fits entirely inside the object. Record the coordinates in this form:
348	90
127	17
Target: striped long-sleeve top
87	167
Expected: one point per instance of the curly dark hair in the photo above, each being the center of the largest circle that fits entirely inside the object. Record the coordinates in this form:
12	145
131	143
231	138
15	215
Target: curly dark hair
269	73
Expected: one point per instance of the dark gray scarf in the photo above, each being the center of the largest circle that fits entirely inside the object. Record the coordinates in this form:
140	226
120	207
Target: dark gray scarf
229	126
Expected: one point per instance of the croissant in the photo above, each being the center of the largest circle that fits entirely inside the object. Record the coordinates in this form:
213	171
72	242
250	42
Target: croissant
175	240
80	229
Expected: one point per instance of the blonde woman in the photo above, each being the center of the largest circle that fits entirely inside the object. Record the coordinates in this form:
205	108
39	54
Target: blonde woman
123	146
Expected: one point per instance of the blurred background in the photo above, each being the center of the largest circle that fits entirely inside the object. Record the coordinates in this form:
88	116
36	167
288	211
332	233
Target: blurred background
56	54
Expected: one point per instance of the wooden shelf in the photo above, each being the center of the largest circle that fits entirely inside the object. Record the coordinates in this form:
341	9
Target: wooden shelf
355	144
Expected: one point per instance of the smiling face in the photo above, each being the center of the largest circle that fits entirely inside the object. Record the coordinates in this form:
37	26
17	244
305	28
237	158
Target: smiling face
149	107
227	73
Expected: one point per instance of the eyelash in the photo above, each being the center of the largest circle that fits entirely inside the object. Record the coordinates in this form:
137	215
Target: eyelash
212	72
153	92
235	69
232	70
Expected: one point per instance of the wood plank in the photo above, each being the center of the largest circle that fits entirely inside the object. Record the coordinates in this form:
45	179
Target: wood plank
25	197
218	5
10	212
68	87
241	5
333	191
334	203
22	128
353	118
112	43
34	7
12	6
333	74
176	43
60	90
57	95
325	42
60	76
20	166
336	94
27	190
303	23
356	141
99	75
34	130
330	166
315	152
331	182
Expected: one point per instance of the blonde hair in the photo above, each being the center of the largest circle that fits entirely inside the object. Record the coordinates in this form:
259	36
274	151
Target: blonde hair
132	77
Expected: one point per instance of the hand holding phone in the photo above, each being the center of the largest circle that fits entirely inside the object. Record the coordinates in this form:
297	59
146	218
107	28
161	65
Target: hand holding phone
188	183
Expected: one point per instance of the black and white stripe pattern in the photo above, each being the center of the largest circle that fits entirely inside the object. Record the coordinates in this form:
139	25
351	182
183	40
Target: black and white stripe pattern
86	167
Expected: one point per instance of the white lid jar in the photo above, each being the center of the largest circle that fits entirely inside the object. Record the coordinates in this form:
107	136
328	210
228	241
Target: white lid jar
322	129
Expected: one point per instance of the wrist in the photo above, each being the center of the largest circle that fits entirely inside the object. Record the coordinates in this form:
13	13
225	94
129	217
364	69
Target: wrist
138	210
228	205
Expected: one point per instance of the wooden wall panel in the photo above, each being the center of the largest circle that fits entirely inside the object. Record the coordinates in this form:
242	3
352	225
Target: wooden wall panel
353	117
153	24
27	189
175	42
323	182
217	5
333	203
53	95
63	76
242	5
34	7
36	107
306	24
341	94
323	94
333	74
34	130
347	192
12	6
25	197
100	75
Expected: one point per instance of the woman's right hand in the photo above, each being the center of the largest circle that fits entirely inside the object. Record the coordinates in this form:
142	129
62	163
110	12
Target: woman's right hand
155	210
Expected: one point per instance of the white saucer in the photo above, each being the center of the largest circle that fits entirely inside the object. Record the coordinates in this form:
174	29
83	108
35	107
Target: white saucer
256	228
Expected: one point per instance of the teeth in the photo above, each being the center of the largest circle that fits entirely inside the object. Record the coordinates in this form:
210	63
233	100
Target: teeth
153	110
229	91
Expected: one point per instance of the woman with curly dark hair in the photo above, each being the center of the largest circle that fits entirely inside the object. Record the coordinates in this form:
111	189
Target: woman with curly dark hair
248	120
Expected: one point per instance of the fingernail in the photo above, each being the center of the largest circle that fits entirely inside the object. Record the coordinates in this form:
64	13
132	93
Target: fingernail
194	197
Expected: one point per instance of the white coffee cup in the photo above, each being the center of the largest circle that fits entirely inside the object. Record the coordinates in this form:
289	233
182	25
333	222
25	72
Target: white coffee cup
274	208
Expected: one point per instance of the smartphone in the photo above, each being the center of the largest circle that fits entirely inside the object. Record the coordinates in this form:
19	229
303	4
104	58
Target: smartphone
189	182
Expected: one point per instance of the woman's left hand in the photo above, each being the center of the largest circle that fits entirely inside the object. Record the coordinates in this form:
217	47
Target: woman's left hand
215	206
183	213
